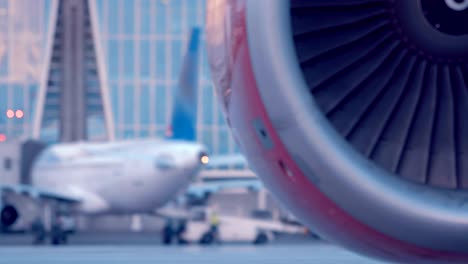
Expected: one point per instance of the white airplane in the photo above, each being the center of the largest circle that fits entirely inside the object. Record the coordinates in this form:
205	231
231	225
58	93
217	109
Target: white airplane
134	176
121	177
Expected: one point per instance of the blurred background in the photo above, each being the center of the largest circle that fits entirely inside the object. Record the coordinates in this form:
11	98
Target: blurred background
131	64
142	44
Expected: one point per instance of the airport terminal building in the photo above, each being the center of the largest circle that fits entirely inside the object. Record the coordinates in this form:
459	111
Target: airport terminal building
139	46
142	45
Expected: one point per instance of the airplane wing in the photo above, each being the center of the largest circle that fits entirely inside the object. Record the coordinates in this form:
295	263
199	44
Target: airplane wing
202	188
35	192
174	213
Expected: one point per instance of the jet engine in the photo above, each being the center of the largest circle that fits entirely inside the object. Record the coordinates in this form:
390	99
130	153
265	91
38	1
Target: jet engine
8	216
354	114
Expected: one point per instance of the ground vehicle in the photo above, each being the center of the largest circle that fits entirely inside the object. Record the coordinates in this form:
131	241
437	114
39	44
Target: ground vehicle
200	229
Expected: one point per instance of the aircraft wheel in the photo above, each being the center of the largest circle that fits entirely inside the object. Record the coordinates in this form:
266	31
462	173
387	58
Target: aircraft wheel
56	240
64	239
167	235
207	239
261	239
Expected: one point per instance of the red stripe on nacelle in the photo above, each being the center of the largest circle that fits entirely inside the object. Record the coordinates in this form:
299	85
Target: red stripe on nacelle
234	78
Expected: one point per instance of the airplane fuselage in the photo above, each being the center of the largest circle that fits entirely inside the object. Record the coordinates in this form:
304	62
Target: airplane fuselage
119	177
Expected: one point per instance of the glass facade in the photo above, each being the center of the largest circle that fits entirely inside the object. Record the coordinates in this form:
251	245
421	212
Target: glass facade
143	44
22	42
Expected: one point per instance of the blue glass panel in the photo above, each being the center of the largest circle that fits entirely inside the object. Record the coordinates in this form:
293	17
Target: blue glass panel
129	133
47	9
191	7
223	144
207	106
145	105
202	4
128	64
18	130
4	58
160	132
3	102
161	102
221	120
160	60
176	16
114	93
144	133
17	92
113	59
95	127
207	139
33	88
145	17
4	18
205	69
129	107
145	59
129	17
4	65
176	58
113	22
118	133
100	11
161	14
18	97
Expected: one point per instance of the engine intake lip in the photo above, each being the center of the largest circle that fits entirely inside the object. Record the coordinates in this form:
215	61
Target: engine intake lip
428	217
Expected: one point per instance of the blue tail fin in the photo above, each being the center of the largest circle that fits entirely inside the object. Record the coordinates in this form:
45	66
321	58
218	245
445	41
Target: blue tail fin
184	121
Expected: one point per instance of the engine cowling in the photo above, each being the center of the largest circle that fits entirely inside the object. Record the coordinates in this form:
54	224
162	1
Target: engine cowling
8	216
353	114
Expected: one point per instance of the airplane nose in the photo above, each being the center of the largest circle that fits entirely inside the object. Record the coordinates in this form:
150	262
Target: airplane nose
203	158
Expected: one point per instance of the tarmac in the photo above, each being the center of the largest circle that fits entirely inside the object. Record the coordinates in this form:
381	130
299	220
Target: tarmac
300	254
145	248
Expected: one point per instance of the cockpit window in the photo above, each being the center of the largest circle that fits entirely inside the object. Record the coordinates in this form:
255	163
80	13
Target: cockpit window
165	162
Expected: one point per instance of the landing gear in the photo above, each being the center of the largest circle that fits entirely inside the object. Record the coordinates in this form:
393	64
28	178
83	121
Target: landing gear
180	232
39	232
170	233
211	236
57	235
62	226
167	234
261	239
207	238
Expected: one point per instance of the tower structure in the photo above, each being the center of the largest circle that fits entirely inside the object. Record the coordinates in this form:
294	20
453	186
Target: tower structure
73	101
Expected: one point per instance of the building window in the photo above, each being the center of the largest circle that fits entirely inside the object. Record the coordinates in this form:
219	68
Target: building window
7	164
128	60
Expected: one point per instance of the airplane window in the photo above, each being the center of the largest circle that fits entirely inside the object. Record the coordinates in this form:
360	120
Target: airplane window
7	164
165	162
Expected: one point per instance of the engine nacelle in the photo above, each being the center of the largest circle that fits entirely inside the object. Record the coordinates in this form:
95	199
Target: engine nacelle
8	216
354	114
